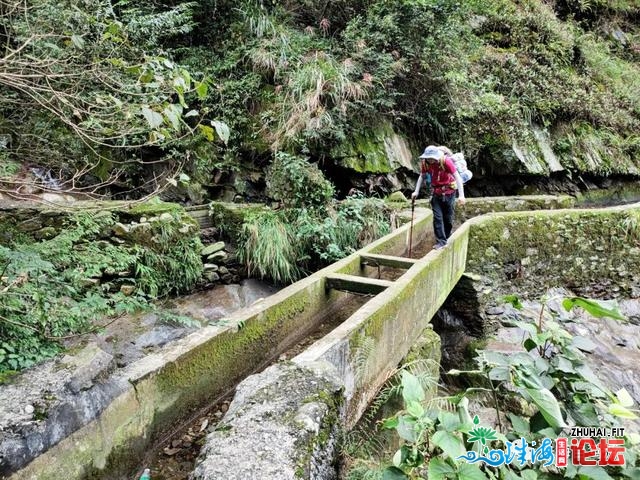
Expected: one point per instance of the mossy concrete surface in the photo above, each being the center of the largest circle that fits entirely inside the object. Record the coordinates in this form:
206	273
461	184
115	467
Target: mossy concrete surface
479	206
380	150
367	347
170	386
593	252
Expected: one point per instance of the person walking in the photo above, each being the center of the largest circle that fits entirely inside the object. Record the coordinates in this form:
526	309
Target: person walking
445	181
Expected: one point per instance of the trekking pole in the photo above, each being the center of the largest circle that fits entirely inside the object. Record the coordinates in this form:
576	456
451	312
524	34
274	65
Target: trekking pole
413	205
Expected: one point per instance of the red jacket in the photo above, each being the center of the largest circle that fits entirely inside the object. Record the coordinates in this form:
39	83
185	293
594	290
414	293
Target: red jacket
443	180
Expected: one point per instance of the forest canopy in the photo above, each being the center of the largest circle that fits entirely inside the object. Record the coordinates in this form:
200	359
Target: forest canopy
116	97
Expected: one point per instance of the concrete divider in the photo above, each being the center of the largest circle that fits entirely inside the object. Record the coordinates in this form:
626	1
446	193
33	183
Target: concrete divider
343	371
171	386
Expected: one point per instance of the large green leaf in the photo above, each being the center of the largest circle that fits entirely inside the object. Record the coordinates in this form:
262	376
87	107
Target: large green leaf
520	424
407	429
394	473
154	119
449	421
597	308
390	423
202	88
470	472
496	358
222	129
564	365
415	409
590	376
619	411
633	473
594	473
449	443
624	398
439	469
548	406
412	390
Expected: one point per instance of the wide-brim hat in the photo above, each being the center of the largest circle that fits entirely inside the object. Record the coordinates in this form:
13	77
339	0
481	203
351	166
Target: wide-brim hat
432	152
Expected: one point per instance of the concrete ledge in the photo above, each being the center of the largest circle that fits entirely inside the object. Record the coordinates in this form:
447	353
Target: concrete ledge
353	283
362	351
386	261
169	387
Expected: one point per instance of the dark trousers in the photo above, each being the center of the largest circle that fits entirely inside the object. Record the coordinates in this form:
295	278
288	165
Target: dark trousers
443	216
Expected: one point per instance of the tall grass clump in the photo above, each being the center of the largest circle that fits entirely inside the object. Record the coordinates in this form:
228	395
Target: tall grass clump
268	247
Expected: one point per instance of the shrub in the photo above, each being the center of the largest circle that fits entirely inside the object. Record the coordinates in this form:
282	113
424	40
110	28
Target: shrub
66	285
297	183
267	247
285	245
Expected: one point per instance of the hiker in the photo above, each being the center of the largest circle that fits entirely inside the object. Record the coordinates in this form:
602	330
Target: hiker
445	182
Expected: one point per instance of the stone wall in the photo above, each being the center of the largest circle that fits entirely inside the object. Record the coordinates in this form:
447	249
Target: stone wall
592	252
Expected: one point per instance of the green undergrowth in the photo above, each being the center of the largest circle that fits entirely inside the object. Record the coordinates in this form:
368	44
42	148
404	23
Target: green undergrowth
76	281
537	394
284	245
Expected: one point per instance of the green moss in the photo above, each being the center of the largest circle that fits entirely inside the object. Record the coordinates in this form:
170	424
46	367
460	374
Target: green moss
377	150
570	248
154	207
208	369
328	428
228	217
479	206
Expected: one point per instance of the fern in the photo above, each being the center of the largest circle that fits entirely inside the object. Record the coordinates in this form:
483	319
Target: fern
149	28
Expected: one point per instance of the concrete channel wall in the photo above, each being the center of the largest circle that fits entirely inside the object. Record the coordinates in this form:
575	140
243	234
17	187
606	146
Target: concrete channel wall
340	374
168	387
282	423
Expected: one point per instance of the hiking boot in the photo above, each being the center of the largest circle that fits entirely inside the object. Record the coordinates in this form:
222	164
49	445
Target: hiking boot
438	246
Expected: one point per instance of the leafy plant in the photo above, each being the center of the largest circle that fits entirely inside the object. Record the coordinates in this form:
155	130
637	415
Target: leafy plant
296	183
71	284
551	375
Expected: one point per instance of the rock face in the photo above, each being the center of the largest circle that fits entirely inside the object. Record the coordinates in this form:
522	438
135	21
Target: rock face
288	409
381	151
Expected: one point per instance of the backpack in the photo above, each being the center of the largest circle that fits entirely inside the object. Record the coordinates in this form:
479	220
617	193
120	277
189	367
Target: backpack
461	166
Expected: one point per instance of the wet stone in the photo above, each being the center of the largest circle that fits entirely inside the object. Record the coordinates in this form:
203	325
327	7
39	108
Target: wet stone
211	249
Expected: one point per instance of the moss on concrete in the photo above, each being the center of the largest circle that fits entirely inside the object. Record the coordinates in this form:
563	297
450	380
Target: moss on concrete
479	206
530	252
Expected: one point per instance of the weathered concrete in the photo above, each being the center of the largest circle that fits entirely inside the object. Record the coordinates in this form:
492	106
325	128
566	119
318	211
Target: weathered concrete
580	249
169	386
367	347
285	422
360	354
363	351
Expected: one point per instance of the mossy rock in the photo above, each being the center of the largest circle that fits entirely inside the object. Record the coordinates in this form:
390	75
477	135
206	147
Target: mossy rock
396	197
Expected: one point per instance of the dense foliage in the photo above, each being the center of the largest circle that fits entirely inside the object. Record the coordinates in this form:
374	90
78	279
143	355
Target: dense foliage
99	90
540	392
73	282
88	90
